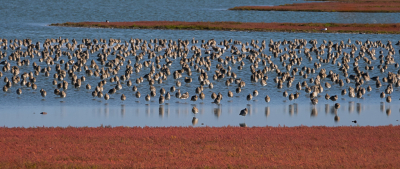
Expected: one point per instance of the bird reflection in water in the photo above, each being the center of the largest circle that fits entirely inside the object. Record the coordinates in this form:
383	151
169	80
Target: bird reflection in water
284	109
167	109
195	121
202	108
137	111
242	124
333	110
359	108
326	108
351	107
314	112
249	109
291	110
382	107
122	110
255	109
62	110
388	111
106	110
161	111
217	111
147	110
178	110
267	111
337	118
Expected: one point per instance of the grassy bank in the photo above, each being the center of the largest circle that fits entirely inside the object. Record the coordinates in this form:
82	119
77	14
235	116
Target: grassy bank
181	147
381	6
243	26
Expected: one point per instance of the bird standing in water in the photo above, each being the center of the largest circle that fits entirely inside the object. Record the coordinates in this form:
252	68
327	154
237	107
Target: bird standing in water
243	112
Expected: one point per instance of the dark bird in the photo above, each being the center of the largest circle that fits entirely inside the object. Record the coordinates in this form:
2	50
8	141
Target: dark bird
243	112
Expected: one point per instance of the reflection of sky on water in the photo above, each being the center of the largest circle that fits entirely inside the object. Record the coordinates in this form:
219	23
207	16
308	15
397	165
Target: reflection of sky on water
209	115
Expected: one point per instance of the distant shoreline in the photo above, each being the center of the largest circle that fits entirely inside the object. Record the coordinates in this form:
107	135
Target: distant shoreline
203	147
393	28
388	6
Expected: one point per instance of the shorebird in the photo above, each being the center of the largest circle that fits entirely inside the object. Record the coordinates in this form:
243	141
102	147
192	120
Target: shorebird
43	93
314	101
243	112
88	87
161	99
217	100
147	97
106	96
167	96
334	98
184	95
194	98
291	96
123	97
285	93
389	99
202	96
230	94
19	91
134	88
238	90
337	105
327	96
63	94
213	95
255	93
249	97
267	99
178	94
99	94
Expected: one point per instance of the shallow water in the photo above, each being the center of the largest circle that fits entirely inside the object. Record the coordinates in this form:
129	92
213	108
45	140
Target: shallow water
153	114
26	19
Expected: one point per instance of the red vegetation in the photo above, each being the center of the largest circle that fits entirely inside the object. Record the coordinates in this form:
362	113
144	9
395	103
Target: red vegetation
339	6
244	26
180	147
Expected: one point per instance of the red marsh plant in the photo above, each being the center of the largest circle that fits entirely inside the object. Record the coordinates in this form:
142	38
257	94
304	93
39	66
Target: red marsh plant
332	6
181	147
244	26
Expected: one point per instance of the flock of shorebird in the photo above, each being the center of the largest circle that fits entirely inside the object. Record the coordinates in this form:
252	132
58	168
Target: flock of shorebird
121	63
